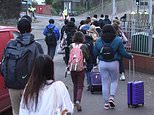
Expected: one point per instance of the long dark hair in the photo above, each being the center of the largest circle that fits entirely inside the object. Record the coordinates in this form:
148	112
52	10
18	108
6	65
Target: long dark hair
43	70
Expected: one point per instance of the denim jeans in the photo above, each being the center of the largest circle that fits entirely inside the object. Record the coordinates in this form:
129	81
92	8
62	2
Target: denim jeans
51	51
109	75
88	77
67	52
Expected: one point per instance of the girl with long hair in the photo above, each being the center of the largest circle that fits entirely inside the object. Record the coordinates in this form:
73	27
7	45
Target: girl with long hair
43	95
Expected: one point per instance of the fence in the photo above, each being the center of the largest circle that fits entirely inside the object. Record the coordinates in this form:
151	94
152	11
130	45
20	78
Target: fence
140	34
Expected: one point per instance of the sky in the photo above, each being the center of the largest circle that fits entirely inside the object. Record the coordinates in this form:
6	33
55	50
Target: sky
40	1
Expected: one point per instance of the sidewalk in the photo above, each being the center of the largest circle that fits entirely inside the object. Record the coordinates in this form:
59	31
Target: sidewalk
92	104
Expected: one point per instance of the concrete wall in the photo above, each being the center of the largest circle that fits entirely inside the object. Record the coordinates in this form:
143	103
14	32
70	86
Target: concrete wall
143	63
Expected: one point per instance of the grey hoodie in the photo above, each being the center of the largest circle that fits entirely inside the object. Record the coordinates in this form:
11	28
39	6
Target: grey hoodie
27	40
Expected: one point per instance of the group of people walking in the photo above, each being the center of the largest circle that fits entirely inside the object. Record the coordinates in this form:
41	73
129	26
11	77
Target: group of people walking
34	91
92	36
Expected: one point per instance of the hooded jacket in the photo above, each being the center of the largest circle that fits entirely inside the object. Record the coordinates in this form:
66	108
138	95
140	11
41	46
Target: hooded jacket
116	45
56	31
27	41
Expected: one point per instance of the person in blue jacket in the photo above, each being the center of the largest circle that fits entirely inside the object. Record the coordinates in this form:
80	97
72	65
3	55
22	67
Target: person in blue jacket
109	69
52	48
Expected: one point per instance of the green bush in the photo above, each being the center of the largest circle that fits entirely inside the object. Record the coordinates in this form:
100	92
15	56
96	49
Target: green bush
10	9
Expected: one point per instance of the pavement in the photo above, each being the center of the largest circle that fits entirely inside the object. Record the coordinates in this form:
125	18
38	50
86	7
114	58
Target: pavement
92	104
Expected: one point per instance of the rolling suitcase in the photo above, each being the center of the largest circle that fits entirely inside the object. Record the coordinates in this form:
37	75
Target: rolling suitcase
96	84
135	91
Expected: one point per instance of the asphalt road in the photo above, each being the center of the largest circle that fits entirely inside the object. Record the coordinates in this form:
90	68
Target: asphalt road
92	104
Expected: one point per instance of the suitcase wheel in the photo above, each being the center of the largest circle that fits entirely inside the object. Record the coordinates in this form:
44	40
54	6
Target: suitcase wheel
92	90
129	106
142	105
132	106
135	106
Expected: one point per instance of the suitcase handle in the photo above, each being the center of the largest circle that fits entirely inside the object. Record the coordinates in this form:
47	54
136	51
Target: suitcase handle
133	70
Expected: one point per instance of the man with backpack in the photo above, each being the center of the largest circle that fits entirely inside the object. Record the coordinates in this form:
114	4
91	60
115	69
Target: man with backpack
69	30
52	35
17	62
107	20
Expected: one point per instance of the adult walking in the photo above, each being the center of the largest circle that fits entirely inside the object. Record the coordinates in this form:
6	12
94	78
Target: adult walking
43	95
124	39
52	35
18	59
69	30
109	49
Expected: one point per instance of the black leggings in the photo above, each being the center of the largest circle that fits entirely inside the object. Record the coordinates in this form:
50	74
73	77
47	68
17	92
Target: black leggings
67	52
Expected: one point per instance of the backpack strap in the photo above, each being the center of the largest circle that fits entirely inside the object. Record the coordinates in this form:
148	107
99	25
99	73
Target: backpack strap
76	45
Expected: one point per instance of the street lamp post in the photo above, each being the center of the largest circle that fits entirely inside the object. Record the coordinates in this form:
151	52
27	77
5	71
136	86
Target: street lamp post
113	9
26	6
150	12
102	6
151	28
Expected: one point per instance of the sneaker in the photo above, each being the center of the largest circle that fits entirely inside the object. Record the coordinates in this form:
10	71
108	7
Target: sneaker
78	106
106	106
68	72
111	102
88	88
122	78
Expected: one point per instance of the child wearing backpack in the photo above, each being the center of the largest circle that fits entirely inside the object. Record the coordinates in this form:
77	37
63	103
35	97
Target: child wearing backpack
78	55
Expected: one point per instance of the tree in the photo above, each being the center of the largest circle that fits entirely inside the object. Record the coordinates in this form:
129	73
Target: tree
56	4
10	9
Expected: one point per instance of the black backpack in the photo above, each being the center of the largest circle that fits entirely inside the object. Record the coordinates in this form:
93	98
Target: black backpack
107	51
69	37
14	68
101	23
106	21
50	37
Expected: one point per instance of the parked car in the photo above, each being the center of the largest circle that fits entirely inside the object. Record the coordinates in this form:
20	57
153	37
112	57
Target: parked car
6	33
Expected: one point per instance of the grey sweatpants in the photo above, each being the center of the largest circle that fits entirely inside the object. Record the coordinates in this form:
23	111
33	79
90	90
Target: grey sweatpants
109	75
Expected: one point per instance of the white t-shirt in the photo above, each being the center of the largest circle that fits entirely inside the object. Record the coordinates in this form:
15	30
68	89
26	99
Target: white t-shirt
48	96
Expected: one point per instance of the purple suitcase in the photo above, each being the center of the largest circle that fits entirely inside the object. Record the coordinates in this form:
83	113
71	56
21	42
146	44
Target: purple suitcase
96	84
135	91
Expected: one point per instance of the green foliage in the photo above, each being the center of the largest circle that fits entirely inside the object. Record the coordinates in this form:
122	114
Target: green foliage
10	9
57	5
34	3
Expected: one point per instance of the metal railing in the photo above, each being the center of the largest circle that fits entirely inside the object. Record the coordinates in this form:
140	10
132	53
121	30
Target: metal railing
141	37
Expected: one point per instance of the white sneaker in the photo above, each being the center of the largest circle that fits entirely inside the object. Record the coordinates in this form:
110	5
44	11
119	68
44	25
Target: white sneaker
122	78
106	106
68	72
